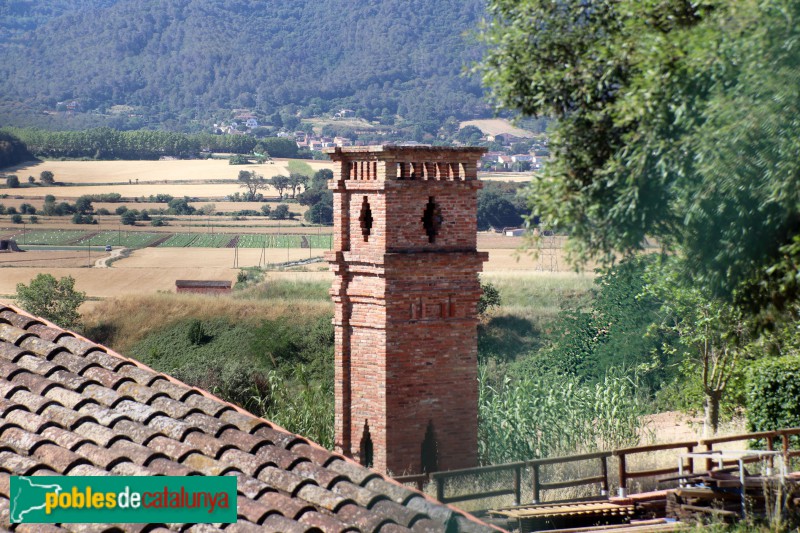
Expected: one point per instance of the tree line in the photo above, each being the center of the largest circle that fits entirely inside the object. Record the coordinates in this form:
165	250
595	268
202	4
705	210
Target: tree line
108	143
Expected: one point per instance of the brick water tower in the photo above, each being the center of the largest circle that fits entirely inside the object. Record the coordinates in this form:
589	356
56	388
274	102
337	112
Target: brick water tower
406	293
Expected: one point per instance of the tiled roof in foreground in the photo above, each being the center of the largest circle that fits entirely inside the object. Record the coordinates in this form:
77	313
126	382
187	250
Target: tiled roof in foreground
69	406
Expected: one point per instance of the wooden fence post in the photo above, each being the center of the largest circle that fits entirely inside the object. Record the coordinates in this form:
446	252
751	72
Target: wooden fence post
623	477
440	489
517	485
535	479
604	471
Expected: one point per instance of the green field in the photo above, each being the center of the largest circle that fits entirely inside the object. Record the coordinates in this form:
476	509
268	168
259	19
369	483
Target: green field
128	239
140	239
52	237
283	241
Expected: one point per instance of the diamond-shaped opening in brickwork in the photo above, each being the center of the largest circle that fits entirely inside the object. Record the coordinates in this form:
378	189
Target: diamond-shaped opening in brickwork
430	451
432	220
365	218
365	447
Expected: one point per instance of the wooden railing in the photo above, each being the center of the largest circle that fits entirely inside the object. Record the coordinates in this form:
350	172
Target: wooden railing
625	474
442	479
768	436
538	486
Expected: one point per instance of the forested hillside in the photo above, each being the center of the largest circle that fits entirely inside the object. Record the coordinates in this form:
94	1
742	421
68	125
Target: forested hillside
178	61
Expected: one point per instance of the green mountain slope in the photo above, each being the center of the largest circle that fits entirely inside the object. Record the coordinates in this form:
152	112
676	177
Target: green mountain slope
180	60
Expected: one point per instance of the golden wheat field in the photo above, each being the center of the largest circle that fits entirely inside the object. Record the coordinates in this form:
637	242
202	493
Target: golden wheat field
87	172
494	126
150	270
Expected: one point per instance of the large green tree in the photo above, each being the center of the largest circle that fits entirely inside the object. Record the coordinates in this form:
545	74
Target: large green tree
675	119
55	300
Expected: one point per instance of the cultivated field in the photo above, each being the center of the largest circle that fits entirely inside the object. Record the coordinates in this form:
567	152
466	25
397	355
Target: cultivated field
494	126
95	172
192	247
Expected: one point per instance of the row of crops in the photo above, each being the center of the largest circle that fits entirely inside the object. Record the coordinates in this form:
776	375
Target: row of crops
140	239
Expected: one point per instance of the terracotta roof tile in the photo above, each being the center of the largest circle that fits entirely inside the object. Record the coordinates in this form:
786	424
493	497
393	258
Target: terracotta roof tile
276	522
15	319
213	426
207	405
70	380
175	450
283	459
393	528
67	398
41	347
140	375
321	476
109	362
77	346
141	455
173	408
363	518
18	465
325	523
208	466
244	527
289	507
207	444
131	469
102	395
166	467
247	423
39	528
322	498
12	334
45	332
63	416
60	459
69	406
107	378
35	403
98	434
65	439
21	440
10	352
363	497
282	480
175	391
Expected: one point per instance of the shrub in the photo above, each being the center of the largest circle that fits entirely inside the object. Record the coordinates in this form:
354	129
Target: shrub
103	211
121	210
128	218
47	177
78	218
196	333
34	219
490	297
281	212
773	393
16	218
55	300
320	213
12	182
